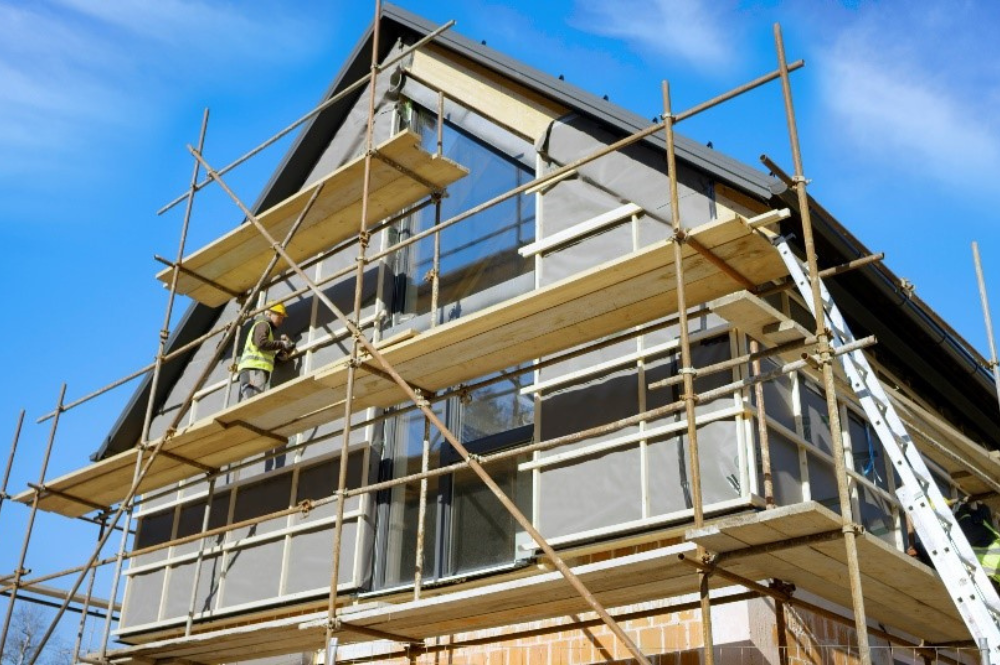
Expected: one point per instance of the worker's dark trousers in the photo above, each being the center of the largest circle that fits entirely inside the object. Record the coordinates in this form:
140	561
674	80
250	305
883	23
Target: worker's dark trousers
252	382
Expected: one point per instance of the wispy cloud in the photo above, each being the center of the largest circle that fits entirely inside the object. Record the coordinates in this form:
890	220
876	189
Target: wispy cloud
694	31
901	89
107	66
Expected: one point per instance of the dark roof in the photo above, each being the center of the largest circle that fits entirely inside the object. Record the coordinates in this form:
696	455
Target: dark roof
950	373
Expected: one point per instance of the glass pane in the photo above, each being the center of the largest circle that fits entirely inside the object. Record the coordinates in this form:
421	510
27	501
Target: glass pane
404	502
479	263
815	418
876	515
483	531
823	483
778	396
497	408
869	457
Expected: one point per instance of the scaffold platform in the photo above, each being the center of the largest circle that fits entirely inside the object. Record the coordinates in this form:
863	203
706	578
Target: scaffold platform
628	291
233	263
898	591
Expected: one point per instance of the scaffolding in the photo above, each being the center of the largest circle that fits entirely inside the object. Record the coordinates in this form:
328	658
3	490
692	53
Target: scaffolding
728	264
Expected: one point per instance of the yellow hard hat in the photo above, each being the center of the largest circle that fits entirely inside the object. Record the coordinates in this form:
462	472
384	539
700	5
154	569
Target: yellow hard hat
277	308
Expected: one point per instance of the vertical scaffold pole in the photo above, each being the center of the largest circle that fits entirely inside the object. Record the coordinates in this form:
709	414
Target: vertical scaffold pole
824	351
687	370
986	316
19	571
10	459
154	384
781	620
435	277
765	444
418	568
205	518
78	645
359	277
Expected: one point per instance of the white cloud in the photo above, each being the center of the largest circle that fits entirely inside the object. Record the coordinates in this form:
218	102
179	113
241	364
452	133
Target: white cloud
75	71
897	93
692	30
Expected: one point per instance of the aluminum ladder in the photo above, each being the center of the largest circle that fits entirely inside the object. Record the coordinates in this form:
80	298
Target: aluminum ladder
953	557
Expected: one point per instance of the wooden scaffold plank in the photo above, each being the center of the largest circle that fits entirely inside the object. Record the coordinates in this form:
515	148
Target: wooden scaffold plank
236	260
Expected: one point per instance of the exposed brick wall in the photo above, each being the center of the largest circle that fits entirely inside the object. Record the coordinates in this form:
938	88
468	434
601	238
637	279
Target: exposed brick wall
667	638
745	633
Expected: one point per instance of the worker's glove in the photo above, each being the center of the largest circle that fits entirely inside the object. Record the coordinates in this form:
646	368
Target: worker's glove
286	343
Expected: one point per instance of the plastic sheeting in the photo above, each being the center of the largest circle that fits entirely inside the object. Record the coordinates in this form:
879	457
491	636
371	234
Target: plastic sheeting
636	174
251	573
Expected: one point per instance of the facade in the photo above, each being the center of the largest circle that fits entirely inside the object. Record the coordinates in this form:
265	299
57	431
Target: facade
617	504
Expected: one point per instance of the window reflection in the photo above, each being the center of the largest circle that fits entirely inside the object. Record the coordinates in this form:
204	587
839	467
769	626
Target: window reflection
479	264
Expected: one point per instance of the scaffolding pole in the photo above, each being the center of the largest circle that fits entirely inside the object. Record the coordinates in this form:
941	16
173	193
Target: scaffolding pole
986	317
355	327
687	371
10	459
762	434
824	351
19	571
78	644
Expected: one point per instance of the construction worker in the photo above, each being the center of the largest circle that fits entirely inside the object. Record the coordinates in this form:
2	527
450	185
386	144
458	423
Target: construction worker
260	350
977	524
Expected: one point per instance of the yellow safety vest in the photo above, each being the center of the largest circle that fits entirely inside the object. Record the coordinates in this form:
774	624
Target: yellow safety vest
254	357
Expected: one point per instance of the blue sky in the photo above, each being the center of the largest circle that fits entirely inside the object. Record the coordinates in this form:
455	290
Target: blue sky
98	100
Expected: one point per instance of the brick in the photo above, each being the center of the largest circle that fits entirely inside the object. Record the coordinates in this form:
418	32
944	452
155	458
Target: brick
674	638
694	637
651	640
516	656
604	645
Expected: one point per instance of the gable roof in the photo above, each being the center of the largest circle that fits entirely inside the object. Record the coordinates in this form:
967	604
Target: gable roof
962	364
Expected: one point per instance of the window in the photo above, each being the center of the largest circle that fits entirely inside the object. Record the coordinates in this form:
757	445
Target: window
479	264
466	528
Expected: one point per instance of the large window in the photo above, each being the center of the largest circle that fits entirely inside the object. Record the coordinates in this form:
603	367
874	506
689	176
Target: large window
478	260
465	528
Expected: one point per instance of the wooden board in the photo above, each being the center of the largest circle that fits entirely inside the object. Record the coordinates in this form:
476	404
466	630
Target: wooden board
237	259
633	289
898	590
523	111
757	318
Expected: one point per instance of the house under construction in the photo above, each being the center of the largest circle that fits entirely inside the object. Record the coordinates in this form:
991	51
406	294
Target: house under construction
559	396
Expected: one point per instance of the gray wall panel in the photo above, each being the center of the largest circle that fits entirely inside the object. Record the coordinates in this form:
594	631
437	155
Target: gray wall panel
253	573
181	580
144	593
594	403
271	494
590	493
350	139
669	476
635	174
311	561
784	469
